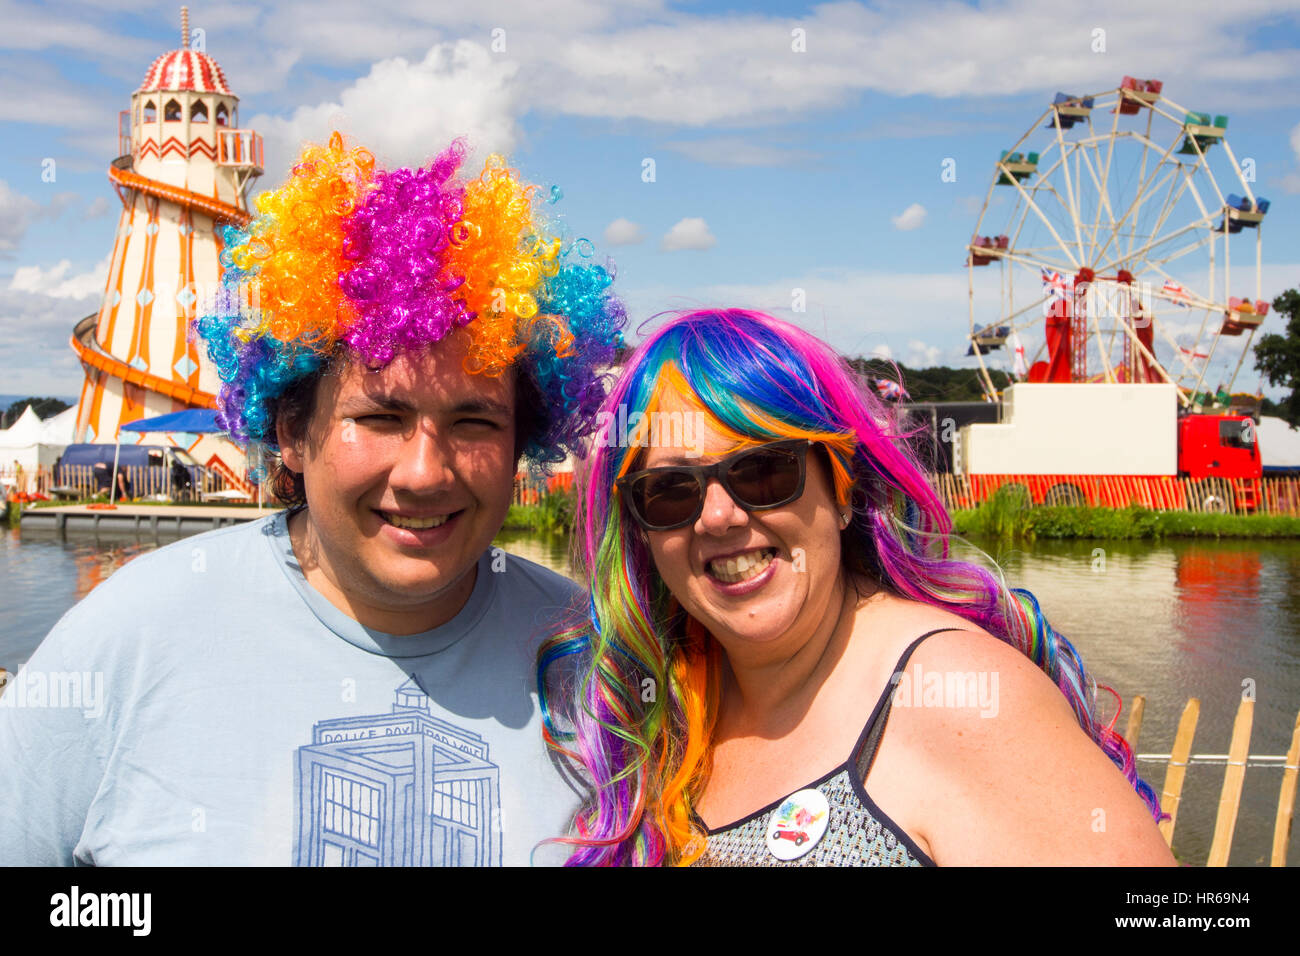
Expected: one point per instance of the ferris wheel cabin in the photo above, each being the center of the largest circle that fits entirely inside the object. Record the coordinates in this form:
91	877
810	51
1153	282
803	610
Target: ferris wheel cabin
1135	95
1201	133
1240	212
1069	110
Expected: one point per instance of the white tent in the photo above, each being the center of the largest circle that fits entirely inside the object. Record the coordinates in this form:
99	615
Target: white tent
31	442
58	431
1279	443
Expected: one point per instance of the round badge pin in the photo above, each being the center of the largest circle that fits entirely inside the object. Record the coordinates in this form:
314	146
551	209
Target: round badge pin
798	824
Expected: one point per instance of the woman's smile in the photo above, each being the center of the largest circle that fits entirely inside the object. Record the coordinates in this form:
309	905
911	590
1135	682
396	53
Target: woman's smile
742	568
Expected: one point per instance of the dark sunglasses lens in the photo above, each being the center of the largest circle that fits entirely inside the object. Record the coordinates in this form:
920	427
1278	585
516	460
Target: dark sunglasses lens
765	477
667	498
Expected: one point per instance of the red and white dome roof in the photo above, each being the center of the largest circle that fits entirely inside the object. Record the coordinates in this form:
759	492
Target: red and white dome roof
185	70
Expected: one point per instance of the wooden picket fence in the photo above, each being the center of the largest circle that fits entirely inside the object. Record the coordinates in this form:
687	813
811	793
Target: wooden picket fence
530	490
1274	495
79	481
1234	776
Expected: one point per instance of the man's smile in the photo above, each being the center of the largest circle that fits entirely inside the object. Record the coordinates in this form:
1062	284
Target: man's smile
415	522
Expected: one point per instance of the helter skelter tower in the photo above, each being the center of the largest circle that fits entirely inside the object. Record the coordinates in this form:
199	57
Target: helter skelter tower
184	168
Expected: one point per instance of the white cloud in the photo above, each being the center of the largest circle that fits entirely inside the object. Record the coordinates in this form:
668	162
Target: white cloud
882	351
696	70
922	316
98	207
690	233
852	309
645	60
910	218
35	358
32	28
60	201
685	65
34	92
622	232
16	214
1291	181
915	125
345	31
734	151
55	282
405	112
921	355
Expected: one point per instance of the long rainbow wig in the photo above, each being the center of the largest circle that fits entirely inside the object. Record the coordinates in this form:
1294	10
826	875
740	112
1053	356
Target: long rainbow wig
639	708
347	256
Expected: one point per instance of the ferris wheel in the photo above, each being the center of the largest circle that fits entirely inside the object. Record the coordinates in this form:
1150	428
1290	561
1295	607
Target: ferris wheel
1120	228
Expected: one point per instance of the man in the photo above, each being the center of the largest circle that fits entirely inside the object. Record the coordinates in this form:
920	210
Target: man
350	682
182	482
104	481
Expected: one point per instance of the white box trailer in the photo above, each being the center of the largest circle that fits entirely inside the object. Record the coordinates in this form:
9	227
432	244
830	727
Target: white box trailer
1075	429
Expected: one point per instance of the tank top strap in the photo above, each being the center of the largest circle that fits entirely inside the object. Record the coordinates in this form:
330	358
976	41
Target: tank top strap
864	751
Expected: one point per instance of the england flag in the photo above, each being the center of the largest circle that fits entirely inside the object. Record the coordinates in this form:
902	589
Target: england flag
1019	367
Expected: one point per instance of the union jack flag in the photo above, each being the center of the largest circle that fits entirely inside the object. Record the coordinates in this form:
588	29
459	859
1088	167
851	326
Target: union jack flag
1055	288
889	390
1054	283
1173	290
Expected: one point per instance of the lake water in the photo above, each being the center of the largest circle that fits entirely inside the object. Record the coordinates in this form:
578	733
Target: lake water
1170	621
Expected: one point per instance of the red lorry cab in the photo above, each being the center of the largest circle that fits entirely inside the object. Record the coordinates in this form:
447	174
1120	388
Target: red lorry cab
1218	446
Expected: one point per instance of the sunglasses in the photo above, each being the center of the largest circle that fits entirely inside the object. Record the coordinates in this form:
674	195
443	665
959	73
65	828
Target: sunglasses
769	476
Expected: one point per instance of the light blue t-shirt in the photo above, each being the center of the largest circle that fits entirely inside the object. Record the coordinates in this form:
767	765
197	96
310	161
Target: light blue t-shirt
205	705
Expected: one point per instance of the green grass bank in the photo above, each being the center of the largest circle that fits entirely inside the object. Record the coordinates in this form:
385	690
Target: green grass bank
552	515
1002	518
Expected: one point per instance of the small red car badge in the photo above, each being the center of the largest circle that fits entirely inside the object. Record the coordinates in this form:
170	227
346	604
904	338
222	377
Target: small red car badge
797	824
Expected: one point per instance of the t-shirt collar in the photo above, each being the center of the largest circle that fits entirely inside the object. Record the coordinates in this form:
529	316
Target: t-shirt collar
367	639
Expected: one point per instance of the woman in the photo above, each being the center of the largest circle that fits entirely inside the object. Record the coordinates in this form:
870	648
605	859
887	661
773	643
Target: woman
784	664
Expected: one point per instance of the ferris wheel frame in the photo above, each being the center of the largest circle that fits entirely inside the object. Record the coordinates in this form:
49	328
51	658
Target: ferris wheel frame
1094	251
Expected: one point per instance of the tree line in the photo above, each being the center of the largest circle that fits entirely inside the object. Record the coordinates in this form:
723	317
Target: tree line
43	407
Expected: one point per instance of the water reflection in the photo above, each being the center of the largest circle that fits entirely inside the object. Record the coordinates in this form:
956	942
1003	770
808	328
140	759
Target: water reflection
44	576
1181	619
550	551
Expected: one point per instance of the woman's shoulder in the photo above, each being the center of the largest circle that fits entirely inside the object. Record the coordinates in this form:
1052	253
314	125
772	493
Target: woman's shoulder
941	637
964	690
997	768
942	648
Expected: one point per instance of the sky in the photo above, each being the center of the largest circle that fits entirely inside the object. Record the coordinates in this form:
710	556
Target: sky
825	162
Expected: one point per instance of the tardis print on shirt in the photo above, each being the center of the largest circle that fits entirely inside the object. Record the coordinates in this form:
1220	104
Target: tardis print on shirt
397	789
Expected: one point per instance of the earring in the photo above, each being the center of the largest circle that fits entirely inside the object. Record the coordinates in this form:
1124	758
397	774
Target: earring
845	518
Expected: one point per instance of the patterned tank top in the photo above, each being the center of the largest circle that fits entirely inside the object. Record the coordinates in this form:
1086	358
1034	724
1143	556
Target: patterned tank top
857	832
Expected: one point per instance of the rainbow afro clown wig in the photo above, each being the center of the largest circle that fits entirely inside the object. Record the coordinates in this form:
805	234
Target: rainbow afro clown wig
349	257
